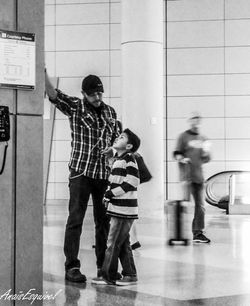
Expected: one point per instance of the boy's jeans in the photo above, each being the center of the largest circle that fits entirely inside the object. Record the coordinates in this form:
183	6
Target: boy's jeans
198	224
118	247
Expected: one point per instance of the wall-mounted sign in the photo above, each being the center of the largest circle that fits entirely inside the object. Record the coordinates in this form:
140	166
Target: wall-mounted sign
17	60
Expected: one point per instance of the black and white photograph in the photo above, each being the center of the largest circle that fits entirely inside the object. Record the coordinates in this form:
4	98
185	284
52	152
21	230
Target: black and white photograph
124	152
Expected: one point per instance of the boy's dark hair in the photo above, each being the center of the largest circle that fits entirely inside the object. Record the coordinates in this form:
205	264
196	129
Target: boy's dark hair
133	139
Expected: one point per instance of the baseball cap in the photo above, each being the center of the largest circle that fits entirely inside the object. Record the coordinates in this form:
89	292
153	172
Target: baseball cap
91	84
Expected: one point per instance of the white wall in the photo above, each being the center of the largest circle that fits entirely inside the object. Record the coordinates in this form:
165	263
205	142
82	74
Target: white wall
81	37
208	69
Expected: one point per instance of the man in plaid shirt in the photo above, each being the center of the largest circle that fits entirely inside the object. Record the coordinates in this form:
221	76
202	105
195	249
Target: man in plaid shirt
93	129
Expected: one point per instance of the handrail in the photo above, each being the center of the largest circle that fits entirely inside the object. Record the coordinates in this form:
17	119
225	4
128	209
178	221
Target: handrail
210	196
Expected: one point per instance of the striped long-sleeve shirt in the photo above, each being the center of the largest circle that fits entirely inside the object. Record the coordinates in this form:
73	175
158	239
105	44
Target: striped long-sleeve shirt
124	179
90	134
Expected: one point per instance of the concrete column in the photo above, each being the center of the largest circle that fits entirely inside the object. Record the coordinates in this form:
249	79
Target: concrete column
142	90
21	184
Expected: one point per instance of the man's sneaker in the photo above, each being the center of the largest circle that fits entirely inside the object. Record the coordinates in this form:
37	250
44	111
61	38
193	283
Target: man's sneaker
200	238
135	245
127	280
99	274
101	281
74	275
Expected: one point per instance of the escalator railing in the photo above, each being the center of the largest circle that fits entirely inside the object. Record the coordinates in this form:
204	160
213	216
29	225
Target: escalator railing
217	187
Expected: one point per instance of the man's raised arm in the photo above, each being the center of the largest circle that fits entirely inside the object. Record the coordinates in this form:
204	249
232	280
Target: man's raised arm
50	90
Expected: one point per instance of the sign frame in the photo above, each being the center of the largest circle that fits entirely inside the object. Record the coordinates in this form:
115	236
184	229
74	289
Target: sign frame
17	60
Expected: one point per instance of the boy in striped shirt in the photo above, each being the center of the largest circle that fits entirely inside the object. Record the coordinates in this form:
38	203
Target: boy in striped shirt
122	206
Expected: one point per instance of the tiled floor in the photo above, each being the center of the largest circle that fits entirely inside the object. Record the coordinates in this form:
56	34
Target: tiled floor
207	274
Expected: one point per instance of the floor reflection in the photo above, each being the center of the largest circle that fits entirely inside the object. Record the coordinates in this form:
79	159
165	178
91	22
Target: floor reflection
215	274
73	293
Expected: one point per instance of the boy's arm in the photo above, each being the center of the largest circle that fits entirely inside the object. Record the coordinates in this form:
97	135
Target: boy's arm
130	182
64	103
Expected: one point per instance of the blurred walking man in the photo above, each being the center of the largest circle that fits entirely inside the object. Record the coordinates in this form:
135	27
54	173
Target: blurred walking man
191	152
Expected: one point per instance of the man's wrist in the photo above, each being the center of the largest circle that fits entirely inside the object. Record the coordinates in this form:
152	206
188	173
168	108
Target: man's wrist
179	157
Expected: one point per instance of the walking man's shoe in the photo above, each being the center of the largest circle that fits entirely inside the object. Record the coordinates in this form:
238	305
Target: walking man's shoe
127	280
200	238
74	275
135	245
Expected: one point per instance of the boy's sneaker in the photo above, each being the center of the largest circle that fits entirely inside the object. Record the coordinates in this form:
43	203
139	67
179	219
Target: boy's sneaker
99	274
101	281
127	280
200	238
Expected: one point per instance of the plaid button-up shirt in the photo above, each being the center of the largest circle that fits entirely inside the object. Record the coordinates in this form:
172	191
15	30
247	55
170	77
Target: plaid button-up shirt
91	133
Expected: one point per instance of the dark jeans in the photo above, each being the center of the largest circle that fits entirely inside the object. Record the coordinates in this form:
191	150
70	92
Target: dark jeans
197	191
80	188
118	247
